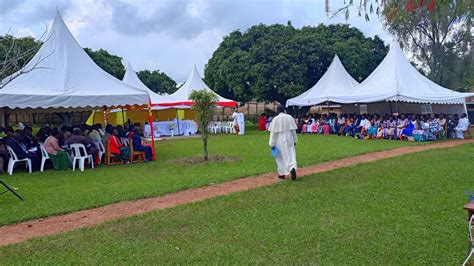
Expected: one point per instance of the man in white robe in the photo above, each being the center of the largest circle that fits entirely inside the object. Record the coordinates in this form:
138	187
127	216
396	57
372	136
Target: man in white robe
463	126
235	122
241	122
283	138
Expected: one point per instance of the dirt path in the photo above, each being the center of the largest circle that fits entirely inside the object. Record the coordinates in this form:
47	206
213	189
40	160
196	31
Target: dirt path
16	233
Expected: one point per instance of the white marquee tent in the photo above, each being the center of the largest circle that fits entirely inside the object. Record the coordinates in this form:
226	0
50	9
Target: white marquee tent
63	76
194	82
132	79
395	79
335	81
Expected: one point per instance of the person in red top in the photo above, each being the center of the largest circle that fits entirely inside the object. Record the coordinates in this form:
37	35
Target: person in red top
116	147
262	122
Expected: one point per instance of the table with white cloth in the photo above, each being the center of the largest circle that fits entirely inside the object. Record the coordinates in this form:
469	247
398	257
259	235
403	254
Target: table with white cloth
181	127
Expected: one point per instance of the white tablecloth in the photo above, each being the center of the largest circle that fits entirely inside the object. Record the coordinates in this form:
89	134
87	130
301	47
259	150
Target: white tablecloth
162	128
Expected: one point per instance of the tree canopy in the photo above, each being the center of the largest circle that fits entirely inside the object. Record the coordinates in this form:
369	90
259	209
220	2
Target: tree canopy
112	64
15	53
157	81
440	37
278	62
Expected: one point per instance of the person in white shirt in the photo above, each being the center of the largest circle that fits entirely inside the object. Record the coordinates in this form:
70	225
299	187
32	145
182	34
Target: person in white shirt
241	122
364	125
283	140
235	121
463	125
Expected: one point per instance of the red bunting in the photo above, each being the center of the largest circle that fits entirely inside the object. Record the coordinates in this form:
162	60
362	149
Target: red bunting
421	3
410	6
431	6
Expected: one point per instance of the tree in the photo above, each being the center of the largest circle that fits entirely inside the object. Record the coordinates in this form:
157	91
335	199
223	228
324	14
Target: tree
204	105
441	40
277	62
112	64
14	54
157	81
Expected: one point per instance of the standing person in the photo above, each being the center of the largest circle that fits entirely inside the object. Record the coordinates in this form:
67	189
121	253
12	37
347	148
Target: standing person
262	121
241	122
235	121
283	138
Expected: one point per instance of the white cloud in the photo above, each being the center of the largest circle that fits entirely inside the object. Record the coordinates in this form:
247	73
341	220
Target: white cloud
171	35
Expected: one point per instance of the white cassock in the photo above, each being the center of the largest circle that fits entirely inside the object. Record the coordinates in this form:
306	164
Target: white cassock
283	137
241	123
463	125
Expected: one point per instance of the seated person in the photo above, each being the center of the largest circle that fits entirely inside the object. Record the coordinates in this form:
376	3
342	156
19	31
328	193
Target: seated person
94	134
78	138
43	134
28	139
451	124
402	123
4	156
22	152
354	127
374	126
462	126
57	155
408	130
364	125
138	146
116	147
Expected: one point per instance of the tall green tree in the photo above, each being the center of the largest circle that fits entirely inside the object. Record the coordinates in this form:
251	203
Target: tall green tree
157	81
441	39
277	62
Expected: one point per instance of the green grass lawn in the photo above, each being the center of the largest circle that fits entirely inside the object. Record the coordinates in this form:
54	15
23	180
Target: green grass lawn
405	210
55	192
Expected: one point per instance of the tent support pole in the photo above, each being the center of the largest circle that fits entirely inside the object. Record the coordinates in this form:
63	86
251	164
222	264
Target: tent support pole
177	119
150	120
123	118
93	117
391	110
105	115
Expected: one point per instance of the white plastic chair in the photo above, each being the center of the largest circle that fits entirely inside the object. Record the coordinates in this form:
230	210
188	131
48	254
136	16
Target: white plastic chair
77	152
471	242
101	149
14	159
44	156
215	128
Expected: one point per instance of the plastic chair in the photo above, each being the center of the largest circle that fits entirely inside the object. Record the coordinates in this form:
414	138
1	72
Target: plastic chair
101	149
44	156
80	155
468	260
14	159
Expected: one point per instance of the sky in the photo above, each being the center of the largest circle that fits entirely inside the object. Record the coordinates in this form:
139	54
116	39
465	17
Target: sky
169	35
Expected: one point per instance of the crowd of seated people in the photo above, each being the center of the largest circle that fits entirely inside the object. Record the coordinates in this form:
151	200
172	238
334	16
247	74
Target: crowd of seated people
56	142
403	127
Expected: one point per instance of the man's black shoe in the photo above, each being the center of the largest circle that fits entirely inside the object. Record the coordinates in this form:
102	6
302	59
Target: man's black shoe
293	174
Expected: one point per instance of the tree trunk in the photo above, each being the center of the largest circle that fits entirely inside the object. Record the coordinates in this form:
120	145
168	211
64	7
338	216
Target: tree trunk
204	142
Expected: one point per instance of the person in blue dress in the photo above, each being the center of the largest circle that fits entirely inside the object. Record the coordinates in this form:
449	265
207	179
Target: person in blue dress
138	146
